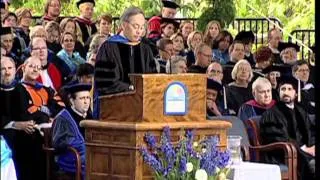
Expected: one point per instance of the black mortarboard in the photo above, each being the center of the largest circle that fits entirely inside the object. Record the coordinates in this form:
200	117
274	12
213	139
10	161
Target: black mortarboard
170	21
6	30
272	68
85	1
85	69
170	4
285	79
283	45
74	88
245	36
212	84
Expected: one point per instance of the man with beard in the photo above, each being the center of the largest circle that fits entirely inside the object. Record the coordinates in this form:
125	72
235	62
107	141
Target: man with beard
289	122
66	129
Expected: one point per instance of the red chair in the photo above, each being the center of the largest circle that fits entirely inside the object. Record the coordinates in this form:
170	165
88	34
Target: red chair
289	169
51	173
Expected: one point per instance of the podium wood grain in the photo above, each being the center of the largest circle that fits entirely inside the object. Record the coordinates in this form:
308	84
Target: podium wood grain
113	142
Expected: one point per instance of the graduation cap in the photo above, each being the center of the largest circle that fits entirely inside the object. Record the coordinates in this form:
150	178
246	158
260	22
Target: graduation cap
212	84
74	88
85	1
273	68
170	21
285	79
85	69
283	45
6	30
170	4
245	36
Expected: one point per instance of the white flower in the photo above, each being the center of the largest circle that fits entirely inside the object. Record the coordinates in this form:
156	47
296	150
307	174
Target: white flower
201	174
222	176
195	144
189	167
217	170
204	150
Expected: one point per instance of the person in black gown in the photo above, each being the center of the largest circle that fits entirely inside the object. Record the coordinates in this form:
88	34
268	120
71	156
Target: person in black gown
287	121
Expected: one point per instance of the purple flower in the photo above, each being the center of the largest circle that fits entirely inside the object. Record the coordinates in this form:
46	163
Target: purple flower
150	140
166	133
151	160
224	158
183	165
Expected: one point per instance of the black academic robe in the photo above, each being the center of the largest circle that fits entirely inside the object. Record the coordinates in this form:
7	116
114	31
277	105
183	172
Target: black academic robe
7	113
227	69
87	28
30	158
236	96
197	69
191	59
250	59
282	124
252	108
54	47
115	60
308	98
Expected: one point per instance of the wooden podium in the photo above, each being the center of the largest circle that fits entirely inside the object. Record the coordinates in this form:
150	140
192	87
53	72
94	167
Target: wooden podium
112	144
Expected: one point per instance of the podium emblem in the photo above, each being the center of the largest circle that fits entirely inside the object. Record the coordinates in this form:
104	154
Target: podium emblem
176	99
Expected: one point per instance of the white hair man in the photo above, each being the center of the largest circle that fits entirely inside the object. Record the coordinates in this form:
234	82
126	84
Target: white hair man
262	93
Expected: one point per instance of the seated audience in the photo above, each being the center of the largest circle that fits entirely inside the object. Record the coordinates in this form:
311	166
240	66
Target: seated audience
247	38
53	36
221	47
215	71
261	90
214	89
194	39
52	10
287	121
203	59
95	44
186	27
238	92
178	45
301	71
165	47
211	33
36	106
67	131
288	53
68	54
23	24
176	65
274	38
50	75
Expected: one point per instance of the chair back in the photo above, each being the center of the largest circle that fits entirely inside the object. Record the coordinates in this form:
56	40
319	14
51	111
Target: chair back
253	129
237	129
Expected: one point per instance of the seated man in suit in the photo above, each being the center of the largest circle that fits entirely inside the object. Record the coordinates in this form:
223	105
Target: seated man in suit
289	122
66	130
261	90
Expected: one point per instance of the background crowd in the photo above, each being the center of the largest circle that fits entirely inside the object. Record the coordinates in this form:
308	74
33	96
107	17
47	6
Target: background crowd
54	72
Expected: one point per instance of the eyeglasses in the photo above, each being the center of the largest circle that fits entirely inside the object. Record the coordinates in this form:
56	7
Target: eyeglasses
39	48
215	71
207	55
68	40
33	66
304	70
138	27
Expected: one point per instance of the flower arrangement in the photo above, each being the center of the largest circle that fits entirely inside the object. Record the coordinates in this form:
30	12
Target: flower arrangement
188	160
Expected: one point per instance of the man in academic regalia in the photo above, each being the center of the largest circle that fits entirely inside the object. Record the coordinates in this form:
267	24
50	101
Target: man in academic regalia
85	26
35	106
301	71
168	11
66	130
288	53
274	37
247	38
122	54
7	39
289	122
214	89
8	83
261	90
